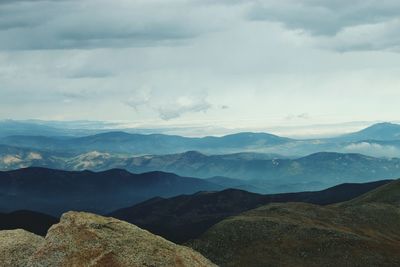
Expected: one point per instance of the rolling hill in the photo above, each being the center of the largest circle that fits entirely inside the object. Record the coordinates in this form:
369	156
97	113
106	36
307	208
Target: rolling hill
360	232
185	217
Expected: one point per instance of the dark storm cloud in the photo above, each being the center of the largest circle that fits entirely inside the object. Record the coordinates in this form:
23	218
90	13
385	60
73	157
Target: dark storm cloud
35	25
321	17
88	24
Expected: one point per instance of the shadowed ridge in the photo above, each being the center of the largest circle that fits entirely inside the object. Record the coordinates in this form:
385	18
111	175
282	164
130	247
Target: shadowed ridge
185	217
54	191
386	194
34	222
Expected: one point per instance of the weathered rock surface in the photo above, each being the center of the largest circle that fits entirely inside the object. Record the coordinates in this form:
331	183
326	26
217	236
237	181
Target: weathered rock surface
16	247
84	239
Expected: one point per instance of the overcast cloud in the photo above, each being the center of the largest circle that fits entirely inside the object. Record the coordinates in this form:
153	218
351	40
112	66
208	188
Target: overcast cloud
234	64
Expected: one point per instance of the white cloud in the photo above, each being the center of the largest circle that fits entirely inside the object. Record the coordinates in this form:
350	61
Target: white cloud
321	17
140	98
301	116
183	105
373	149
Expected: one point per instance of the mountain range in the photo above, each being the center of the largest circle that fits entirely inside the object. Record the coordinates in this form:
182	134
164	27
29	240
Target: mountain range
126	143
255	172
236	212
54	192
365	141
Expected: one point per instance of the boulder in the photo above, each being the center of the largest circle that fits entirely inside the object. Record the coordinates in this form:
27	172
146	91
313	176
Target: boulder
84	239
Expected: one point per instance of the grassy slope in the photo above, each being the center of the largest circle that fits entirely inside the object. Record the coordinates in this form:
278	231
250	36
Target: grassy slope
362	232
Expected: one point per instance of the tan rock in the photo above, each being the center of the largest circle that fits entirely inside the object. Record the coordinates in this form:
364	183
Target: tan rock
17	246
83	239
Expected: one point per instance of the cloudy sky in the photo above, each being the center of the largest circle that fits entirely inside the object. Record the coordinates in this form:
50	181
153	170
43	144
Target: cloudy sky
237	64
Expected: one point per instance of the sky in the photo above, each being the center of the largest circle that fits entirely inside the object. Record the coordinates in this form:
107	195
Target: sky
201	64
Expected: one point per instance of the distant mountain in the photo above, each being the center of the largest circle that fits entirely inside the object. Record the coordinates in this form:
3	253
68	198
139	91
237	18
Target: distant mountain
312	172
12	158
235	183
45	143
11	127
182	218
53	192
362	232
380	132
45	136
121	142
262	173
53	128
34	222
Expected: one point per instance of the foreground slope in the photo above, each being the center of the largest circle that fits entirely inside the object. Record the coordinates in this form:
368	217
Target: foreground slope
182	218
83	239
363	232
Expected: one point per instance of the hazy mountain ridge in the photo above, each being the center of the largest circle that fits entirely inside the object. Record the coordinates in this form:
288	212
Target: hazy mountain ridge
381	132
54	192
139	144
34	222
258	172
121	142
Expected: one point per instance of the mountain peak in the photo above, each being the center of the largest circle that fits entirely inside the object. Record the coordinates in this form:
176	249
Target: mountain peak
192	154
384	124
384	131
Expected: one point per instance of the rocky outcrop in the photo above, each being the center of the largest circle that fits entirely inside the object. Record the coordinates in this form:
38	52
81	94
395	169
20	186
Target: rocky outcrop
84	239
17	246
